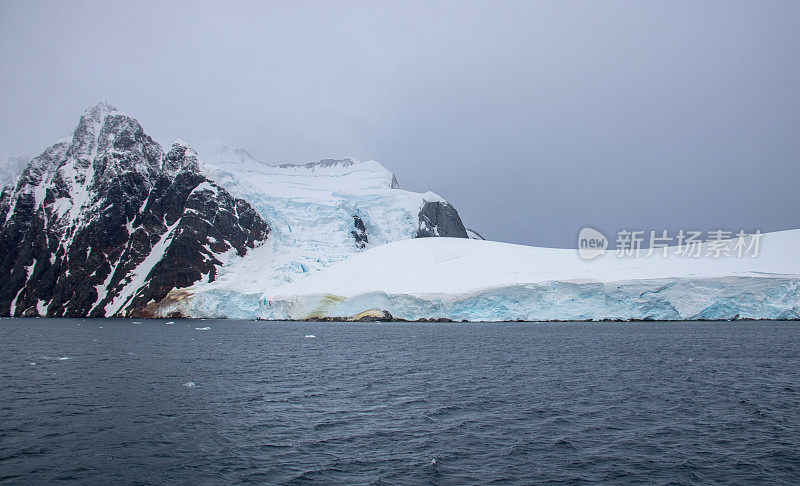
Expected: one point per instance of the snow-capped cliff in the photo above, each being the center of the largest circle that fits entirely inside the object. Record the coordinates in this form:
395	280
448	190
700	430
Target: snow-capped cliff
490	281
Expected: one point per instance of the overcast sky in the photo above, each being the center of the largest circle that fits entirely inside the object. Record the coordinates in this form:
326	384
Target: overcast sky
533	118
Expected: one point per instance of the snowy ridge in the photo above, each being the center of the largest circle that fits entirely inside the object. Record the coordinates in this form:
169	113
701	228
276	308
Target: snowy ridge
479	280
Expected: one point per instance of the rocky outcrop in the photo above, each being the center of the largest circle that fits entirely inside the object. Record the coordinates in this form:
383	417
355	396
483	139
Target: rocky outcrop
360	232
440	218
105	223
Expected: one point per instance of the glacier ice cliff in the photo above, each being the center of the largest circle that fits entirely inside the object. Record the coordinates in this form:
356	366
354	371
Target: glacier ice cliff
657	299
477	280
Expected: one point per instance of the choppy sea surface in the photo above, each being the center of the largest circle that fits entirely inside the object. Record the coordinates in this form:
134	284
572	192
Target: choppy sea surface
221	402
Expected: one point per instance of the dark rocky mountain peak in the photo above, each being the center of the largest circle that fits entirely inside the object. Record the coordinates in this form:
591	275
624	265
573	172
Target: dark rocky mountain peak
106	223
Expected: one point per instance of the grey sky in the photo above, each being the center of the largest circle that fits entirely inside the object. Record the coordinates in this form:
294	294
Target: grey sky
533	118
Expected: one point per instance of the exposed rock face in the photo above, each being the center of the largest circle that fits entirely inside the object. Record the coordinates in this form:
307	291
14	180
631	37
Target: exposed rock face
440	218
106	223
360	233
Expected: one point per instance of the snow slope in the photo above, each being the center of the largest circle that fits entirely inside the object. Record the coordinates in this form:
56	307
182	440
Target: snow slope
476	280
311	210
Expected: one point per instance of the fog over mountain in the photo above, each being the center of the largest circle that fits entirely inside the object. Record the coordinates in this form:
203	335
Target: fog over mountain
533	119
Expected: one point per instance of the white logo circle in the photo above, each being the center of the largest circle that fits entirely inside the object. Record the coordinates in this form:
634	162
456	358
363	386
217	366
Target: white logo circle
591	244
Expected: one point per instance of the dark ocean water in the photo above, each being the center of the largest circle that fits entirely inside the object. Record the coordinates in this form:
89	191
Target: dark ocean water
109	401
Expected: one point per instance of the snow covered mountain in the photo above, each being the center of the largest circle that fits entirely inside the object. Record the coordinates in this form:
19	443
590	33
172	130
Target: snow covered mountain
477	280
320	213
105	223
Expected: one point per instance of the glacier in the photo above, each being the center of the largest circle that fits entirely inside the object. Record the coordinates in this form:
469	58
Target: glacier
475	280
313	211
311	268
